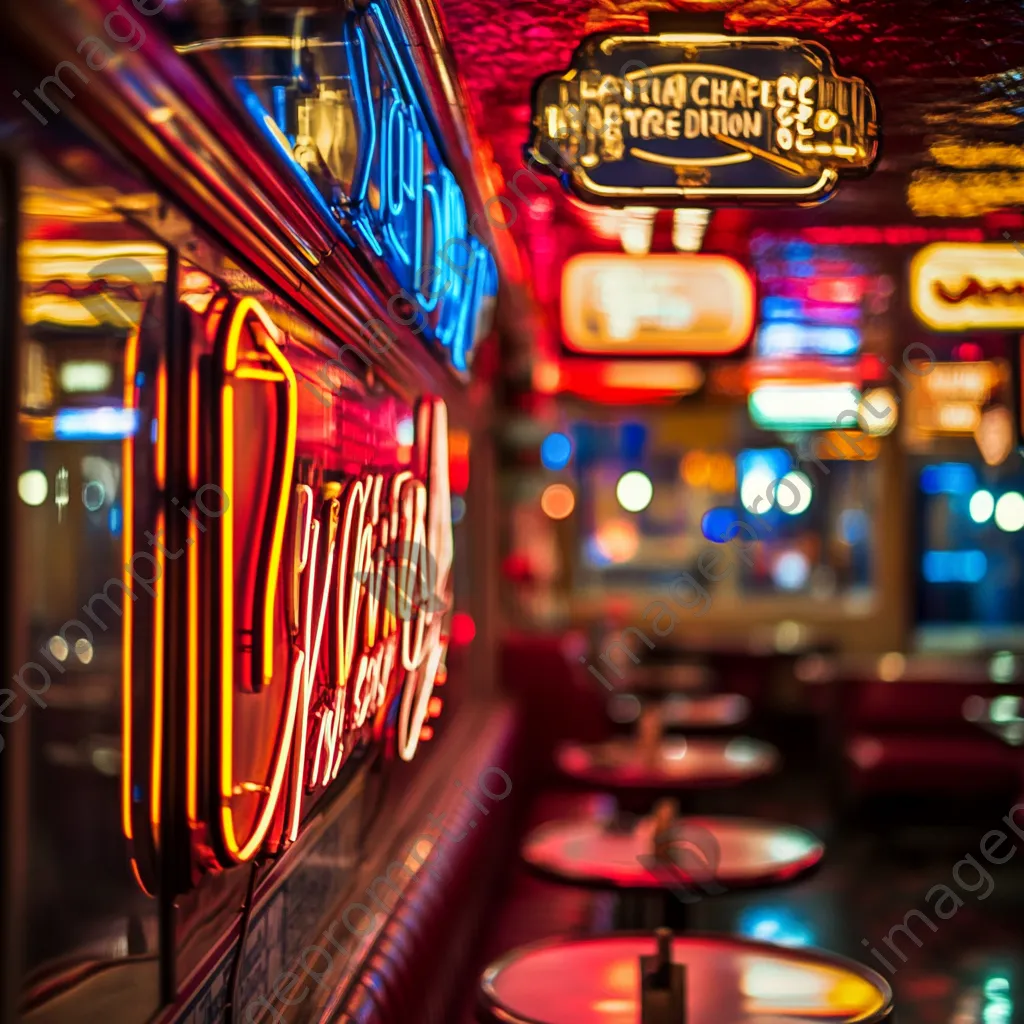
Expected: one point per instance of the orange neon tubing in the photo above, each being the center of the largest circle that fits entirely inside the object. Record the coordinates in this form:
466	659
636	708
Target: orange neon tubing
159	607
192	639
131	355
236	849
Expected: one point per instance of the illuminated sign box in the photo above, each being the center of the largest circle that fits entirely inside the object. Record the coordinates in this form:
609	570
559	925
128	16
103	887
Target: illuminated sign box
674	305
782	406
653	119
964	286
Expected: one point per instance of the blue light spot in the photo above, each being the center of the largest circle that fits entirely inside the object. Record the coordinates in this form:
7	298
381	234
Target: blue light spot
458	508
853	525
716	524
954	566
595	554
948	478
555	451
95	424
775	924
633	439
114	520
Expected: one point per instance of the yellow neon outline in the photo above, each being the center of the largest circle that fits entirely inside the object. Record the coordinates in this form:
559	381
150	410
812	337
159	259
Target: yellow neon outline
692	161
244	307
663	69
828	177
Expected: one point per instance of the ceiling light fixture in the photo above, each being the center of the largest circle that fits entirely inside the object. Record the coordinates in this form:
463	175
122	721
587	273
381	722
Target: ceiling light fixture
688	227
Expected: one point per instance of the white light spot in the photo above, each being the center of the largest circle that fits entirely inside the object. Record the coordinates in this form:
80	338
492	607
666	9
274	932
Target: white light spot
33	487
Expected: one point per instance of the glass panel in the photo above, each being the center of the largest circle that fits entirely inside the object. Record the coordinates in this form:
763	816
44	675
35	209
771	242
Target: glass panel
93	340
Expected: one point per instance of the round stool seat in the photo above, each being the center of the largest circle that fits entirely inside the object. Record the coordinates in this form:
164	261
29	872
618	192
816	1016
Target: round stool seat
711	711
679	763
728	981
734	852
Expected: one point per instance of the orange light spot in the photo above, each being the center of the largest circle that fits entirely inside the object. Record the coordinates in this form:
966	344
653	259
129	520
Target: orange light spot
558	501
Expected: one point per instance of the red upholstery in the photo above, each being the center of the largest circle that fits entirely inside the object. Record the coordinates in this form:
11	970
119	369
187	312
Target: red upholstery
911	736
417	968
887	763
558	698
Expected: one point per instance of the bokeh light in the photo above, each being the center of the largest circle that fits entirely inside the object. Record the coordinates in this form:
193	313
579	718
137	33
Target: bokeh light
558	501
793	495
981	506
555	451
634	491
617	541
1009	512
33	487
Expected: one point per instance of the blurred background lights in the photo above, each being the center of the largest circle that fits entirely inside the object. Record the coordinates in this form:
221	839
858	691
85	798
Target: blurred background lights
463	629
688	227
981	506
775	924
877	412
88	375
616	542
757	489
405	432
458	508
58	647
634	491
93	495
891	666
791	570
716	524
994	435
84	650
33	487
793	495
1009	512
557	501
555	451
1002	667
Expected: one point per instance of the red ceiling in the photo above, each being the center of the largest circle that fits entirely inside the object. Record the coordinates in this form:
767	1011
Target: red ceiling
949	68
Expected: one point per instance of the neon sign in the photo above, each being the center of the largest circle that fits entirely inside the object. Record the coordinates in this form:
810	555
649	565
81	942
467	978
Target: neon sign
376	169
331	593
653	119
964	286
316	600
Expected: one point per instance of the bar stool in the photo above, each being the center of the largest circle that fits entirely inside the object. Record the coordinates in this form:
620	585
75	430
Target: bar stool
664	979
659	867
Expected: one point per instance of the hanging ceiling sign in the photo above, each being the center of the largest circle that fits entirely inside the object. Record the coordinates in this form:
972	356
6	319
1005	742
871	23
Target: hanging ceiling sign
674	305
654	119
964	286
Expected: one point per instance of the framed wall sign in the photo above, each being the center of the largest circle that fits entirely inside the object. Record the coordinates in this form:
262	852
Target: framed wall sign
655	119
962	286
671	305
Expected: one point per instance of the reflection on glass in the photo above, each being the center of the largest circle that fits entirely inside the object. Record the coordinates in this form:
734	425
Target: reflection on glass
92	285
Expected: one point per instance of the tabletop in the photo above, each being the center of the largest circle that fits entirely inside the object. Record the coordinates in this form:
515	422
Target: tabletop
708	711
728	981
735	852
676	762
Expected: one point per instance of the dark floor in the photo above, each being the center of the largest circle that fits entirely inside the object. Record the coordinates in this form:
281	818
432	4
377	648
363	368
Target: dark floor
969	969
